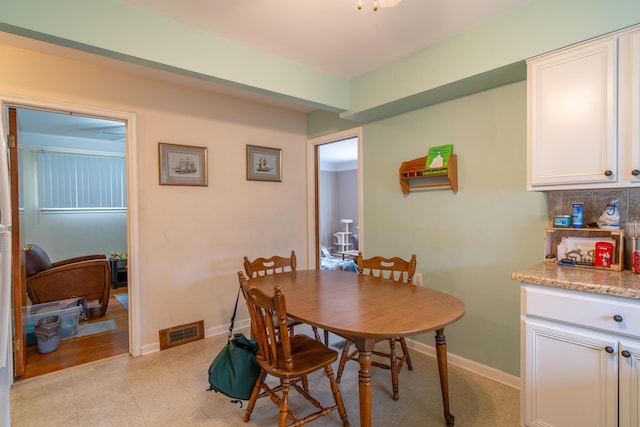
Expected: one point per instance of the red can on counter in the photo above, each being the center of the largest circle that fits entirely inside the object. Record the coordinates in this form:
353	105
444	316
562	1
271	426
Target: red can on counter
636	262
603	255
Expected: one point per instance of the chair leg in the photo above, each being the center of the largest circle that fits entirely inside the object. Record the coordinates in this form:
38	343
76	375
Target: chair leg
394	368
343	360
405	351
326	338
316	335
104	303
337	396
254	396
284	402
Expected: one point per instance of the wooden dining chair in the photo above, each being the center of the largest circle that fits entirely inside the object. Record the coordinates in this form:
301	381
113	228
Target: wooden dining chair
398	270
290	358
274	265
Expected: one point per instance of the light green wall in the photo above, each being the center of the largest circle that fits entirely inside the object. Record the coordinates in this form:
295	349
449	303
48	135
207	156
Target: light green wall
492	50
467	243
320	122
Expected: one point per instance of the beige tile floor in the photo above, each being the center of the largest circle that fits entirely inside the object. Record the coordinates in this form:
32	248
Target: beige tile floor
169	389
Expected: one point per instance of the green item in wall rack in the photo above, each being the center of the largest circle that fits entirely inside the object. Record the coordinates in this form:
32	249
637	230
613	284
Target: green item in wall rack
438	159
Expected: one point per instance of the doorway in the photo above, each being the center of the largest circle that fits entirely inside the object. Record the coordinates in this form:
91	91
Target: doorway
336	185
54	128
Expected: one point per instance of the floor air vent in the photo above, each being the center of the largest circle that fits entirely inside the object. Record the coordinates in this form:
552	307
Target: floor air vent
181	334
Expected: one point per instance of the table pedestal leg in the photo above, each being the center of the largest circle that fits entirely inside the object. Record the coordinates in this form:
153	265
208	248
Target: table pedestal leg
441	353
364	387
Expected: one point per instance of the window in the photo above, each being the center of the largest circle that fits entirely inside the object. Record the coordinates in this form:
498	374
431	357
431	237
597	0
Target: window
80	181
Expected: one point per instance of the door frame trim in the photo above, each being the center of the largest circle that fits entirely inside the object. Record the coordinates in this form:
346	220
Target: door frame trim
135	318
312	144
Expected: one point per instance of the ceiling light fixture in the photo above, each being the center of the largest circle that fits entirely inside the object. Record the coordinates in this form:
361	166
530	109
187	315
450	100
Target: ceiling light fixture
382	3
375	5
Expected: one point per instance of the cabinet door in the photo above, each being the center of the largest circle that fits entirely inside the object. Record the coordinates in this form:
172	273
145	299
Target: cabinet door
571	376
629	383
572	117
629	106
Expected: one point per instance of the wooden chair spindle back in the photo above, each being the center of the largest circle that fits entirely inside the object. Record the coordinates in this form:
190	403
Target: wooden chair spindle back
398	270
389	268
269	320
274	265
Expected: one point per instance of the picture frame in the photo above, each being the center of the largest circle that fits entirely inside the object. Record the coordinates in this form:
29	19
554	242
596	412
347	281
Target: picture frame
182	164
264	163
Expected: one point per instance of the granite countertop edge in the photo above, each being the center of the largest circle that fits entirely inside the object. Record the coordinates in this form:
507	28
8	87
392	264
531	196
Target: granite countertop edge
623	284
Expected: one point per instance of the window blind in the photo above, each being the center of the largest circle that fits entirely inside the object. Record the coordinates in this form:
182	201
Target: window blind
80	181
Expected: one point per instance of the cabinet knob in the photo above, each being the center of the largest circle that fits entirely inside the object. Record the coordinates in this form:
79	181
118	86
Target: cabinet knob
635	172
608	173
617	318
626	353
608	349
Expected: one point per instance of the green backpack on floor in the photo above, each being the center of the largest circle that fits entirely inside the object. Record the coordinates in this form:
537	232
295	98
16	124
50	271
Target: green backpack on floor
235	369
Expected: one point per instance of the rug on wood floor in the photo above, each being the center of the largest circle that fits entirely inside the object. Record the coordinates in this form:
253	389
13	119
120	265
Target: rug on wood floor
123	299
93	328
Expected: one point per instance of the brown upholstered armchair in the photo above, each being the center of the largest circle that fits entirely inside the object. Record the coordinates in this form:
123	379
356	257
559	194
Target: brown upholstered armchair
86	276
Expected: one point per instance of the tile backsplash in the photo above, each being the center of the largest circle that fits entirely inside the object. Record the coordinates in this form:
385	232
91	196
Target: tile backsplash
595	201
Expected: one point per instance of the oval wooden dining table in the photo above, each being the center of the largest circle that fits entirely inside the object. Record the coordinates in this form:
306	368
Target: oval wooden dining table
367	309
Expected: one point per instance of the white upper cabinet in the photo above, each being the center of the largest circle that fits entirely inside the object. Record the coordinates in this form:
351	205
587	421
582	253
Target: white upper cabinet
584	107
572	116
629	99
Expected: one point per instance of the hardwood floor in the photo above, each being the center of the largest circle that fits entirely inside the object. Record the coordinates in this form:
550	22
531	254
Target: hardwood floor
77	351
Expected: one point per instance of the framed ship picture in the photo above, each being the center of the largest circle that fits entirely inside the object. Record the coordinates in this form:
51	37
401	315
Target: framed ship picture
264	163
182	164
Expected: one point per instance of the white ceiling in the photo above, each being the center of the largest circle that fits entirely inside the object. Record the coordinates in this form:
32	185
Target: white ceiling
339	156
44	129
331	35
71	125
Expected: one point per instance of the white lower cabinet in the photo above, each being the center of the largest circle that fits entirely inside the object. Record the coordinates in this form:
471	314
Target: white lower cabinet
629	383
574	374
572	380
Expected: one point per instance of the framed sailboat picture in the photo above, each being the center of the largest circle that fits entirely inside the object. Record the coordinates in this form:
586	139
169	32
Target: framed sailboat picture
182	164
264	163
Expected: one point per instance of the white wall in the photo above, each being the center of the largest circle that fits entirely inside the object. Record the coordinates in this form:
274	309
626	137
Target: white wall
327	206
191	239
347	182
67	235
338	199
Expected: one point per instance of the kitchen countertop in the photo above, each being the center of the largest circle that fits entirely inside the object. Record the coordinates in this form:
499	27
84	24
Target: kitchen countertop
623	284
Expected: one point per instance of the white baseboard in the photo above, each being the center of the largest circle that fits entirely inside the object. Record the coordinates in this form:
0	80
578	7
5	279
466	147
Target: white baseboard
223	329
150	348
469	365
